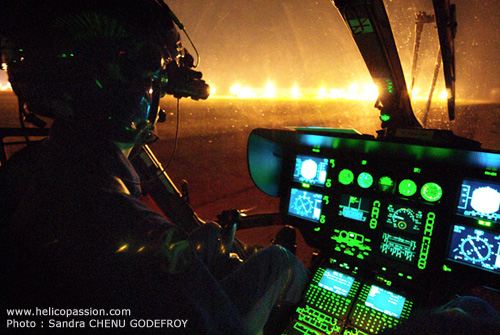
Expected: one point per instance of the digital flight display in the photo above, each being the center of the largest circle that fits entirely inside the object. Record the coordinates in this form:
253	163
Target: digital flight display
336	282
305	204
399	248
310	170
475	247
479	199
354	208
385	301
404	219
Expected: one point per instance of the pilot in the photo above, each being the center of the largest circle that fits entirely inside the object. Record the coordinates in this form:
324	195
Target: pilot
76	236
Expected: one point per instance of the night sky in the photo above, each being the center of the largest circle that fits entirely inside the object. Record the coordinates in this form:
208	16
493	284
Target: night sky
306	43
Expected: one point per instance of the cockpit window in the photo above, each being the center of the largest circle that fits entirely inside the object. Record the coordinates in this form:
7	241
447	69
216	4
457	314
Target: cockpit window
276	64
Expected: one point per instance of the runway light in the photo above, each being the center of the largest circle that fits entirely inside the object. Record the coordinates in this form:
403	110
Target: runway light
122	248
370	92
321	93
5	87
353	89
270	91
337	93
242	92
443	95
356	91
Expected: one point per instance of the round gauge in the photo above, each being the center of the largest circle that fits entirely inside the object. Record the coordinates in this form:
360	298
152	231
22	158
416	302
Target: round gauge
431	192
346	177
402	218
475	249
365	180
407	187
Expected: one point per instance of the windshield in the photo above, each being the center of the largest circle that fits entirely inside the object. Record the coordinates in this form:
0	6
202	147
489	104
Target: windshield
294	63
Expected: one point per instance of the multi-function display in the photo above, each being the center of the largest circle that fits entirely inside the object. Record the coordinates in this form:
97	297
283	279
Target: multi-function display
355	208
310	170
475	247
305	204
336	282
479	199
385	301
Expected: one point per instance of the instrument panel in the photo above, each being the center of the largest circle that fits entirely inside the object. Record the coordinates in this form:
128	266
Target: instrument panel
392	221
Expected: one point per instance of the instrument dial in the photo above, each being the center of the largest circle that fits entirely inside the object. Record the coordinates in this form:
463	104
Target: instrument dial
431	192
402	218
365	180
475	249
407	187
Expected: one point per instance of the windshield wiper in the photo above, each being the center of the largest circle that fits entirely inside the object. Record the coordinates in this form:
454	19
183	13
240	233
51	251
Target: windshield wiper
446	22
371	30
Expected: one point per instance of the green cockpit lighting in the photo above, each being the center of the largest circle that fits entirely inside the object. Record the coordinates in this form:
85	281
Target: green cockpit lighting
365	180
431	192
385	117
385	183
346	177
407	187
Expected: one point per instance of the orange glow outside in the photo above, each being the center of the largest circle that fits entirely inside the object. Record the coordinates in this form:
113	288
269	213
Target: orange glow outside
122	248
355	91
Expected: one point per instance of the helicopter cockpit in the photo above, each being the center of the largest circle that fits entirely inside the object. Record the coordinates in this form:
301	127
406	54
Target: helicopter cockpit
396	218
401	215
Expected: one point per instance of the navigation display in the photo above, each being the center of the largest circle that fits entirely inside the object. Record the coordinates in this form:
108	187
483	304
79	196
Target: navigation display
355	208
310	170
475	247
479	199
385	301
305	204
336	282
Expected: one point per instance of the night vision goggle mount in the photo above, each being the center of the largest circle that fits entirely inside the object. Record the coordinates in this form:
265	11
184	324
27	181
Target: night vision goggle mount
182	82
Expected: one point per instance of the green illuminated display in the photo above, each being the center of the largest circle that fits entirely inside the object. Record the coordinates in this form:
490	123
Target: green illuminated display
484	223
390	86
385	183
365	180
407	187
431	192
351	243
346	177
385	117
